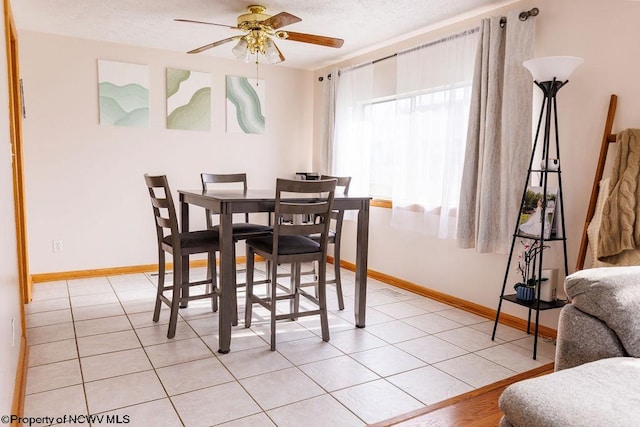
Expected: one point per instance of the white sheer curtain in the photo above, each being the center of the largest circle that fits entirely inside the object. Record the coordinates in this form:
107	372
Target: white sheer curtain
432	108
353	127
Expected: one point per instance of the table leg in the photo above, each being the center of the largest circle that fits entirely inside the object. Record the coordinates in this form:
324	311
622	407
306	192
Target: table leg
227	282
362	249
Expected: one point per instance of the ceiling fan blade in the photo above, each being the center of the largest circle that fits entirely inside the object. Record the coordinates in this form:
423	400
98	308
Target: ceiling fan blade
280	20
279	53
207	23
313	39
214	44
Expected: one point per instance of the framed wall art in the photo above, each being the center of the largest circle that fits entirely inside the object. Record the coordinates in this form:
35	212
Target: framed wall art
188	100
245	105
123	90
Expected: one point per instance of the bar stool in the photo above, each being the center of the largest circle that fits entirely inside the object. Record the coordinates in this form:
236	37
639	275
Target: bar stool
290	243
180	246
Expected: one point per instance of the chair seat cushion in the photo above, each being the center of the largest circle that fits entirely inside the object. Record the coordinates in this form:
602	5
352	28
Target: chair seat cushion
243	230
194	239
287	245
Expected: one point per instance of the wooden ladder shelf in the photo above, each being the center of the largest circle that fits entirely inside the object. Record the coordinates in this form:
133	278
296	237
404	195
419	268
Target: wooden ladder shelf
607	139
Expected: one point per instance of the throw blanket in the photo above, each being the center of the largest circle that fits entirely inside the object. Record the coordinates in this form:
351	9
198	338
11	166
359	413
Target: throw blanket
631	257
619	230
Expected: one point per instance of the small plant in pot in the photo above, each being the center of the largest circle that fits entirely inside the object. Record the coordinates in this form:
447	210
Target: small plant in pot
526	288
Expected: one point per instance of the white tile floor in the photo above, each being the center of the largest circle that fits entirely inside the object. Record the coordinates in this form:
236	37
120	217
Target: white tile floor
95	350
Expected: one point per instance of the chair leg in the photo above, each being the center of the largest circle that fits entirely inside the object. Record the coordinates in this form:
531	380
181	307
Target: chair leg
316	266
235	288
274	290
212	282
336	269
184	268
161	274
248	304
176	298
322	300
294	304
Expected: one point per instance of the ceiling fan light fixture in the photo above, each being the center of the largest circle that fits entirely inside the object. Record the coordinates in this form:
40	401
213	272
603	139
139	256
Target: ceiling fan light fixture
241	50
260	31
271	53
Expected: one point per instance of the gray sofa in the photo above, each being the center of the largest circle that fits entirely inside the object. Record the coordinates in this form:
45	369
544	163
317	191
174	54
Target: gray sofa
597	364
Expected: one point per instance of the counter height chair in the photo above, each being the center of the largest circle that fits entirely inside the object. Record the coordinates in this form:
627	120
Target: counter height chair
241	230
335	236
290	243
180	245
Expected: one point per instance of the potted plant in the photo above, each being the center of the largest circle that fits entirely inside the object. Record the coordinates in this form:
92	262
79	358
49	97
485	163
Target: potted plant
526	288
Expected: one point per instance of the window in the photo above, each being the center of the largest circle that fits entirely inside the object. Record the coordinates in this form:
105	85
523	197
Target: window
410	147
432	107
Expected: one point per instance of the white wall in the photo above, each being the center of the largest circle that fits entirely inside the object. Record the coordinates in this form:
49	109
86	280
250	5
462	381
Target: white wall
84	182
605	34
9	288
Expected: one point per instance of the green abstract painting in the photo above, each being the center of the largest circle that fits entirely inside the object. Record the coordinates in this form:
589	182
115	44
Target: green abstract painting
245	105
188	100
123	90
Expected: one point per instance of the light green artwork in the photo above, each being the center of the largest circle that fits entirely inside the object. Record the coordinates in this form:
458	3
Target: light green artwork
245	105
188	100
124	94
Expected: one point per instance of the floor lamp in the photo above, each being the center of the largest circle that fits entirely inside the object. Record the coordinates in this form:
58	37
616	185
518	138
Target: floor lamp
550	74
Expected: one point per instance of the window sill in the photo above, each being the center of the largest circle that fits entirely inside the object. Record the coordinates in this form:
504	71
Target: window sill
382	203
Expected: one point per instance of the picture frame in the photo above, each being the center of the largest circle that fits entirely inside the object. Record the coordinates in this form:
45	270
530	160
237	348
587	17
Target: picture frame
532	219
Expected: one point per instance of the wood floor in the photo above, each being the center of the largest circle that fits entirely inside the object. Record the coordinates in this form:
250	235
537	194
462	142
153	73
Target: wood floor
478	408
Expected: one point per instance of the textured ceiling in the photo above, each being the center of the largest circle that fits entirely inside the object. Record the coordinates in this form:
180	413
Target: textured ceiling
363	24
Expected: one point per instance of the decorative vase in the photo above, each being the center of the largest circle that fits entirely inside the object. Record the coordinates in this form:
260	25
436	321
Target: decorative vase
525	293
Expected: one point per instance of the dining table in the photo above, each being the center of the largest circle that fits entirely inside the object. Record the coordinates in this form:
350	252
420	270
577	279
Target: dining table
229	202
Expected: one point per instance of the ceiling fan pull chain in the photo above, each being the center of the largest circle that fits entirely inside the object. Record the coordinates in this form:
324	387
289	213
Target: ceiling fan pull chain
257	70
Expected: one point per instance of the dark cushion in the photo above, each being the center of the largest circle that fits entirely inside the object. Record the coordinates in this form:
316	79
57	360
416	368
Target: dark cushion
194	239
243	230
287	245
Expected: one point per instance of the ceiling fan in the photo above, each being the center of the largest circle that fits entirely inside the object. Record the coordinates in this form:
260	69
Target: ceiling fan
260	30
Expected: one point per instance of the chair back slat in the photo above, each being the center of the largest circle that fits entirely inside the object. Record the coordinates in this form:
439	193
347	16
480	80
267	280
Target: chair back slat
230	178
301	229
160	203
302	208
164	211
163	222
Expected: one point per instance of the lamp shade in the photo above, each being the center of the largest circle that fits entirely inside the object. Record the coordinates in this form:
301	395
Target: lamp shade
241	50
549	67
271	53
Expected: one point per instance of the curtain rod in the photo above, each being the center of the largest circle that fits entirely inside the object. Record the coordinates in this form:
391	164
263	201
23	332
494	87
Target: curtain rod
503	20
523	16
422	46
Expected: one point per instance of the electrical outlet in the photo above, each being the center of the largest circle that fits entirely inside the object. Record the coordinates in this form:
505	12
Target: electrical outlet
57	246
